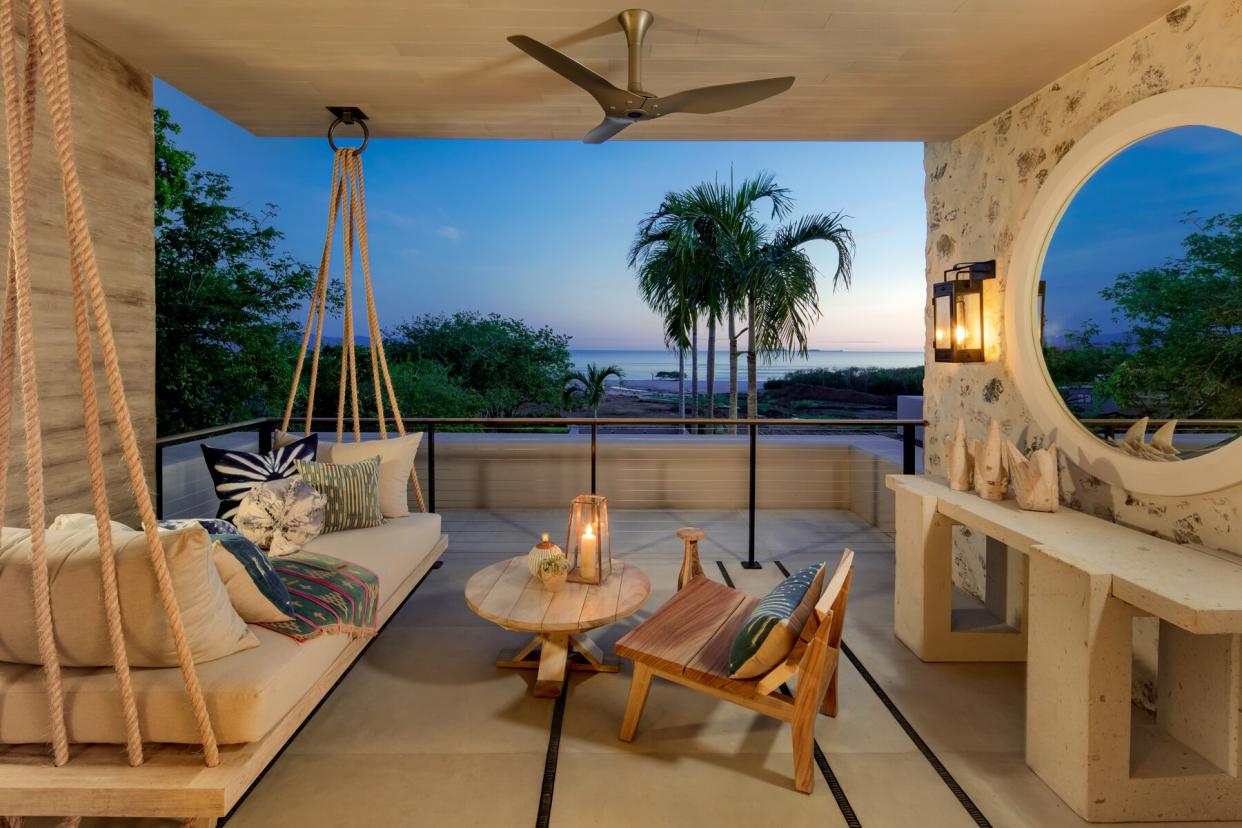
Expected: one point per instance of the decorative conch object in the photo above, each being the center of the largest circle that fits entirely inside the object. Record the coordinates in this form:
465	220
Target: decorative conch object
1159	449
957	459
1035	478
991	480
540	552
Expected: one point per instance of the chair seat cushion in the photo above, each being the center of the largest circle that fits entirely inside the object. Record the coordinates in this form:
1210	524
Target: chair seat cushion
772	629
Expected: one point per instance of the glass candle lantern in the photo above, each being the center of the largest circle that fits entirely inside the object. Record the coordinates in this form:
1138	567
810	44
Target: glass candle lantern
957	312
588	545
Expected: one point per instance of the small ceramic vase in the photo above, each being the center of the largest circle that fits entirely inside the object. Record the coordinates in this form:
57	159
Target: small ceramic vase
540	552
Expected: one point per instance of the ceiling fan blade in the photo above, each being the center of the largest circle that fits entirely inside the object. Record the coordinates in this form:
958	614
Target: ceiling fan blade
709	99
607	128
571	70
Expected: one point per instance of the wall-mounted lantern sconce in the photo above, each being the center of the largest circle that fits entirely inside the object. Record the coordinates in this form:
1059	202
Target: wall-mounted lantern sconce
957	312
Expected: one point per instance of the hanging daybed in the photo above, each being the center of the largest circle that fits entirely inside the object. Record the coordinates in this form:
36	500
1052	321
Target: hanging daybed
196	735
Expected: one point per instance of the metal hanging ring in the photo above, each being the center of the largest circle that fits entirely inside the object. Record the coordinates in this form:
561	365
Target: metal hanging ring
366	134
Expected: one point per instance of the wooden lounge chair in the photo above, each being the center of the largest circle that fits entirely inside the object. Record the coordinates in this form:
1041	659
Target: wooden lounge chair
687	641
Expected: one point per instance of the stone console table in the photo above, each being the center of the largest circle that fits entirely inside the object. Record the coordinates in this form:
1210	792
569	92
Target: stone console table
1086	580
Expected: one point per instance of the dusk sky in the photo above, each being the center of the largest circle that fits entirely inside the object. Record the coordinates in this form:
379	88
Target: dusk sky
540	229
1128	217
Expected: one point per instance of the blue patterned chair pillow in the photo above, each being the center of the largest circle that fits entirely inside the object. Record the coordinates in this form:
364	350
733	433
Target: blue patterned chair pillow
256	591
214	526
772	629
234	473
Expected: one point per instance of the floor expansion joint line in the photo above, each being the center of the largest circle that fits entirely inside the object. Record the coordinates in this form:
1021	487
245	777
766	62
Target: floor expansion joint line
952	784
326	696
834	784
549	763
724	573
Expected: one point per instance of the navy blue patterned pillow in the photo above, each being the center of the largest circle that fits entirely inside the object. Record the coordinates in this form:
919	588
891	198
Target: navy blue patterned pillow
214	526
255	590
235	473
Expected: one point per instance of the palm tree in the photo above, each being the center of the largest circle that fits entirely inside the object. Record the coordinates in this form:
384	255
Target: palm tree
592	383
663	283
759	271
782	300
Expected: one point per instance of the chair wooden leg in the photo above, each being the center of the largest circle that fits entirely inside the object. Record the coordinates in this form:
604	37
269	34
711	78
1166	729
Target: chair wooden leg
639	687
829	706
804	756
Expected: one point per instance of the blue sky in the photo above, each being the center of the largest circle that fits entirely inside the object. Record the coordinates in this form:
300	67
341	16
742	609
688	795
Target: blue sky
1127	217
540	229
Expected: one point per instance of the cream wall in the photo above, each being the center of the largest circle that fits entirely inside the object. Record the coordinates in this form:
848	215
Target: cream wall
112	121
978	190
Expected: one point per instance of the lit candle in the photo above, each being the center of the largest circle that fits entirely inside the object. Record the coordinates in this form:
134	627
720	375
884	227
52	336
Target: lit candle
588	554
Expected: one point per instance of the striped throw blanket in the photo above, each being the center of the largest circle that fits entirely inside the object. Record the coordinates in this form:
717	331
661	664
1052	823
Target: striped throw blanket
328	596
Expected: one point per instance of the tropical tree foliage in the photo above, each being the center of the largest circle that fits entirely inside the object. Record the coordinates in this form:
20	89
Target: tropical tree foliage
592	384
1184	357
707	251
225	297
504	361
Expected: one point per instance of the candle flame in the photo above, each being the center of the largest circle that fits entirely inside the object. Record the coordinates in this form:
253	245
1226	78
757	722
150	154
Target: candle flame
588	533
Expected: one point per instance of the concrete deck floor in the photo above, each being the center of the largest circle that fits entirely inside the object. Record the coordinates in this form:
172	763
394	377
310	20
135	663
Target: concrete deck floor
427	731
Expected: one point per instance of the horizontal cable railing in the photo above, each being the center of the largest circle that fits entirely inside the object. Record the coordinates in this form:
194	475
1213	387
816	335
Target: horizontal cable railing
640	462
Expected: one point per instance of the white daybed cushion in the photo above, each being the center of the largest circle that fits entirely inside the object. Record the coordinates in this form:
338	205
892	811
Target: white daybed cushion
390	550
247	693
213	628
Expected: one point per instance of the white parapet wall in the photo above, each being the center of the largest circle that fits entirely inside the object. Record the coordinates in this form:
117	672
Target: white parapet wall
635	471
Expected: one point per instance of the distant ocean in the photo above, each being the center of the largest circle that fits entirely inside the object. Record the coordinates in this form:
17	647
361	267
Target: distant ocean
643	365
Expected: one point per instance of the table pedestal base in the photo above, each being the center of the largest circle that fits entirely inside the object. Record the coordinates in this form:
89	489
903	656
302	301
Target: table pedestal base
554	659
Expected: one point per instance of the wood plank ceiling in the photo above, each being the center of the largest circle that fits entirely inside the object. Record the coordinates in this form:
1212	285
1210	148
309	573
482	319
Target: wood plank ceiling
866	69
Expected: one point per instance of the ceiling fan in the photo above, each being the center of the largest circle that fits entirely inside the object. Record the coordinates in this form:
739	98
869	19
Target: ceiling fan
623	107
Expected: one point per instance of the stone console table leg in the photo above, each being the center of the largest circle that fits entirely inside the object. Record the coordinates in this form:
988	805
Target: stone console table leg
1079	734
923	599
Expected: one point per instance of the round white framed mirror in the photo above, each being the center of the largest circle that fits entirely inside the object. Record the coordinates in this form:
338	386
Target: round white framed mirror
1084	275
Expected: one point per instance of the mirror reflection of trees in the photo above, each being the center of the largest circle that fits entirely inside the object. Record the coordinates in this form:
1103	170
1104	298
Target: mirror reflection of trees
1144	304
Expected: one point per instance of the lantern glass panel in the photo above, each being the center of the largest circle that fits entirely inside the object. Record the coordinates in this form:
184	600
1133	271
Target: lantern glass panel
588	544
968	318
941	320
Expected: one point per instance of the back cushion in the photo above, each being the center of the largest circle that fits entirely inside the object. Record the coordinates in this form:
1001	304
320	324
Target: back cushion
213	627
772	629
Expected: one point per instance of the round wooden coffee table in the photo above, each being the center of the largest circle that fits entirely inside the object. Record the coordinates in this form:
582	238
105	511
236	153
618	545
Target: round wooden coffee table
506	594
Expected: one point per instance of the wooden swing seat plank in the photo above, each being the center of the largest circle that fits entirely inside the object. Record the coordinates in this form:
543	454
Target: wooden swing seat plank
173	782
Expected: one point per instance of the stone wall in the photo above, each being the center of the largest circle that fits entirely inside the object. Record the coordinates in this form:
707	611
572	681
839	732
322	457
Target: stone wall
978	190
112	122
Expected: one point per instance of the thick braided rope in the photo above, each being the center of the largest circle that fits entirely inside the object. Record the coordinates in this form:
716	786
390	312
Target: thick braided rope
54	59
377	338
19	176
321	313
321	285
352	194
347	333
99	500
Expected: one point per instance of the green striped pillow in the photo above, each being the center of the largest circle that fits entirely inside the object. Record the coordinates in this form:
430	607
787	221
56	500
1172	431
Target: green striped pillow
352	491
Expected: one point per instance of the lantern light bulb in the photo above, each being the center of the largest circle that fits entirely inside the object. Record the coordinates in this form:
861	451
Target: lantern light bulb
961	334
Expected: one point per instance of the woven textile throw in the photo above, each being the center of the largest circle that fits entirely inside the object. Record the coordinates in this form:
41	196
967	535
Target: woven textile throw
328	595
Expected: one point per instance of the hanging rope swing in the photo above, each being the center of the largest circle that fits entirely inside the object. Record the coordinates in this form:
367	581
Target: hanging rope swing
47	56
347	198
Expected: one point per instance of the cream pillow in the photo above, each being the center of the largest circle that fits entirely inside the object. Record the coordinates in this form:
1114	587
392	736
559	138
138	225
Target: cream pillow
396	456
213	628
282	516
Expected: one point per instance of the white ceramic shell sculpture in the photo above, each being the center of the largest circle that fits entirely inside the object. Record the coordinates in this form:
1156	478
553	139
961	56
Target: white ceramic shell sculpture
1159	449
540	552
1035	478
957	463
991	479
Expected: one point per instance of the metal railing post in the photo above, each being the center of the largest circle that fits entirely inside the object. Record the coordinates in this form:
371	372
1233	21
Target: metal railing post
750	562
159	482
907	449
265	437
594	434
431	467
